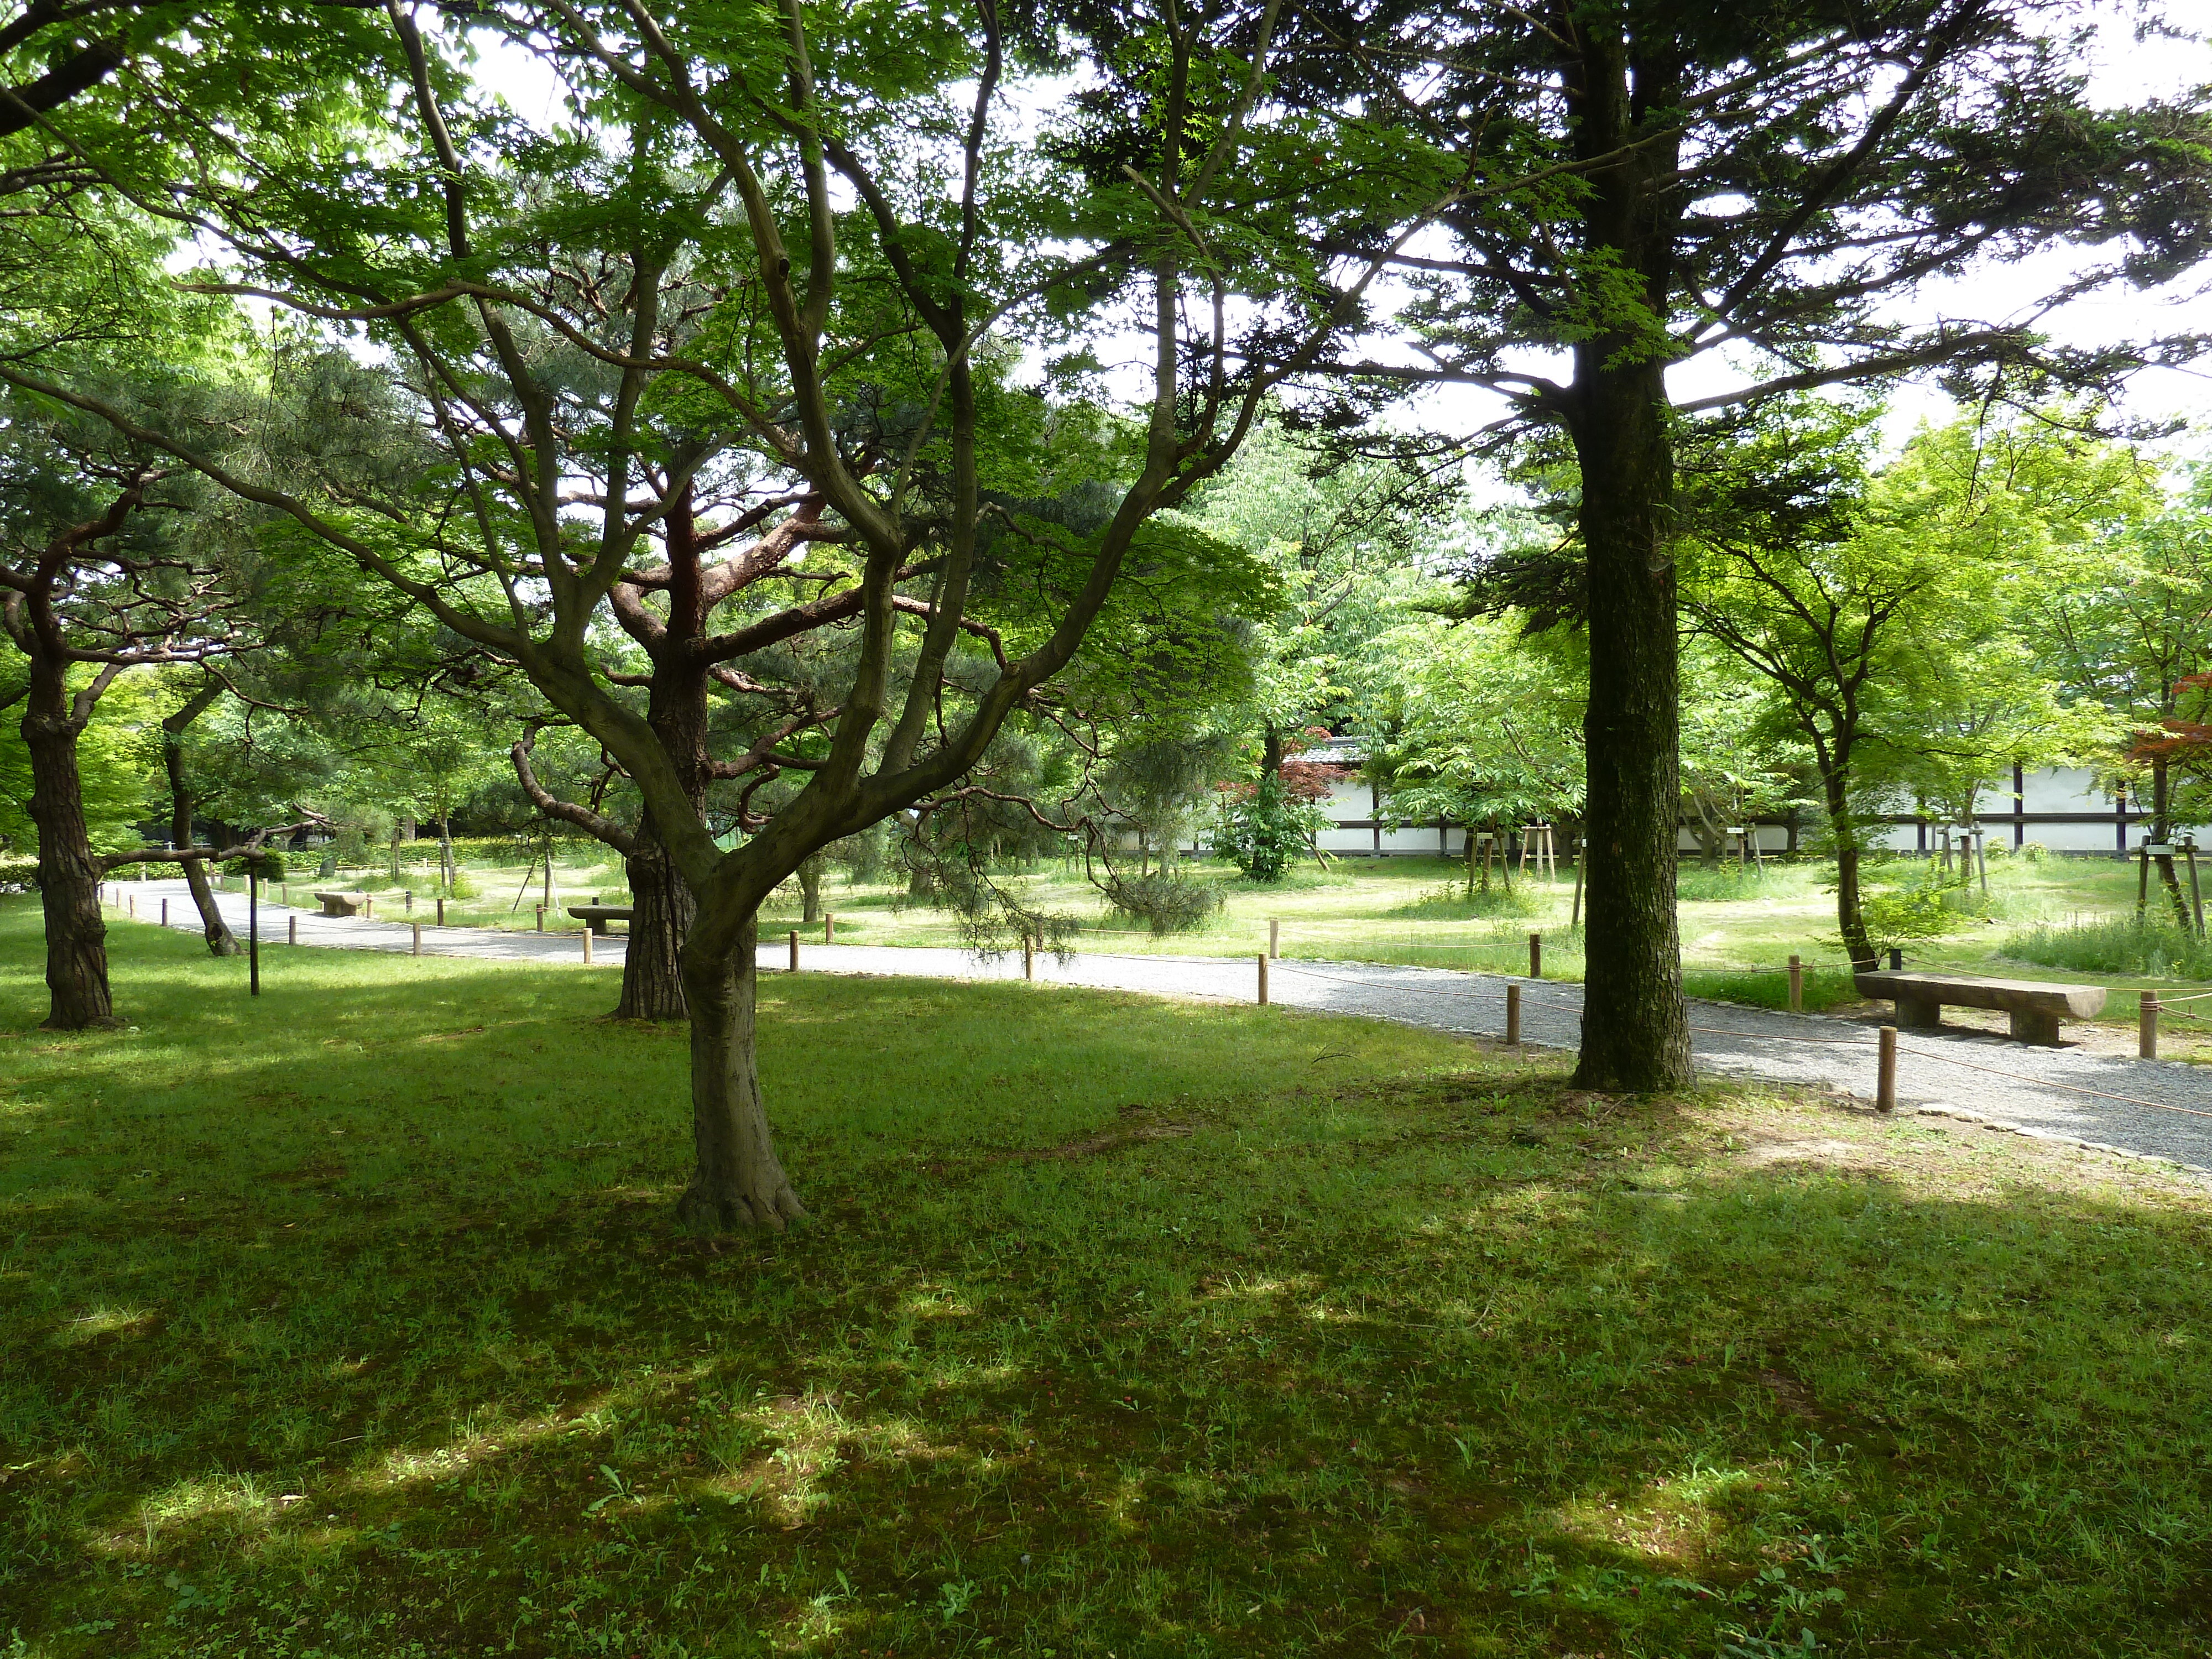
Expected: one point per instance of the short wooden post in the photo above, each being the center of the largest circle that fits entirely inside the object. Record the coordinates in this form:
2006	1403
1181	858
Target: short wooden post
1263	960
2146	1025
1797	985
414	939
541	918
130	904
292	929
1274	936
794	950
587	947
1512	1016
1535	955
1885	1083
1029	958
408	907
828	927
165	912
442	912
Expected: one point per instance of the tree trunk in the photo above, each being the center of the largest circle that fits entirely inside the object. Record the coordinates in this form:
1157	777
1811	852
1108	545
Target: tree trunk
446	872
1635	1031
661	910
1850	920
69	875
2161	833
809	890
220	941
738	1182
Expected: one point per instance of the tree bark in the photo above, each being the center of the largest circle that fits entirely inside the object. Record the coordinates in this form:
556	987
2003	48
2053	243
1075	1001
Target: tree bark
1635	1026
810	890
1851	918
2162	833
220	941
661	911
738	1182
69	874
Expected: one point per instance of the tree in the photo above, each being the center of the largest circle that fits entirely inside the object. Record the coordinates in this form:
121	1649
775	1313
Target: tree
1755	185
570	316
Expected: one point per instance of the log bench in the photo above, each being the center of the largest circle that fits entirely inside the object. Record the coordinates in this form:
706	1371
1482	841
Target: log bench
2036	1008
346	904
597	916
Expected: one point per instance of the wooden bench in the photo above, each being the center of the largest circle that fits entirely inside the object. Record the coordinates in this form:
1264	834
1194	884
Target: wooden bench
2036	1008
347	904
599	916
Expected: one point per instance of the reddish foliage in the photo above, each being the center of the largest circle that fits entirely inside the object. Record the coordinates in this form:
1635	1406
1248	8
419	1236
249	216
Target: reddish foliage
2186	744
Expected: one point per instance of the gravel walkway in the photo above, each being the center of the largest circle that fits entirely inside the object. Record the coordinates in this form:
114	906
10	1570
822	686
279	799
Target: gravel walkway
2054	1093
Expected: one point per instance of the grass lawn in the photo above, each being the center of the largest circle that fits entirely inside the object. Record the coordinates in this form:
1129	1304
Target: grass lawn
352	1322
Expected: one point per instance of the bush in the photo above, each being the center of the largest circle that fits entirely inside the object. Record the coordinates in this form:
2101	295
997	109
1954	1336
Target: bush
1453	903
1166	901
18	873
1903	916
1262	830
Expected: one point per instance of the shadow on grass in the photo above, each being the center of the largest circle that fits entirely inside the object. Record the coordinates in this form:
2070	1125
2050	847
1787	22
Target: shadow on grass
1400	1346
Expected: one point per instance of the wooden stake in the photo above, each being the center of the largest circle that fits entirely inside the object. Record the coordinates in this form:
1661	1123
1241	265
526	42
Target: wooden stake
1274	936
587	947
165	912
1512	1016
794	950
442	912
2146	1025
829	927
1535	955
415	931
1797	985
410	906
541	918
131	902
292	929
1263	960
1885	1084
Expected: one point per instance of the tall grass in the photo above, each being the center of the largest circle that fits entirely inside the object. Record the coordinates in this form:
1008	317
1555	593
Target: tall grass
2149	945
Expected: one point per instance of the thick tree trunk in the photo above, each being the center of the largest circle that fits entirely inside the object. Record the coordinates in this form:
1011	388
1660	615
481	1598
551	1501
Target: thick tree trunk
1635	1026
738	1182
69	875
661	909
220	941
445	851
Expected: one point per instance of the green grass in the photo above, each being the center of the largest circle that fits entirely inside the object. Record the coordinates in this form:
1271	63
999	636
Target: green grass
352	1322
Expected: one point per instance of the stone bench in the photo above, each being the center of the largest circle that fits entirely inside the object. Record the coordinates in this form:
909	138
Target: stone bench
597	916
346	904
2036	1008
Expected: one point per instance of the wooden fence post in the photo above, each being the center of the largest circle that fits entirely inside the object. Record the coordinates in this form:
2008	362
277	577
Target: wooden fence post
1512	1016
1797	985
541	918
1885	1083
415	934
292	929
1274	936
131	905
1535	955
408	907
441	910
587	947
1263	960
2146	1025
828	927
794	950
165	912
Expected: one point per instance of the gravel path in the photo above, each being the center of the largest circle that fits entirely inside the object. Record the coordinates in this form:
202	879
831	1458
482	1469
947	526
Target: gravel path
1971	1075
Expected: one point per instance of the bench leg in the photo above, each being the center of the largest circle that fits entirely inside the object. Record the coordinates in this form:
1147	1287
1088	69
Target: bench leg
1919	1013
599	926
2040	1028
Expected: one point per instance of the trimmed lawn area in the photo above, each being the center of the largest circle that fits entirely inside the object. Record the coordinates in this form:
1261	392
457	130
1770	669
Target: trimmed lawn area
352	1322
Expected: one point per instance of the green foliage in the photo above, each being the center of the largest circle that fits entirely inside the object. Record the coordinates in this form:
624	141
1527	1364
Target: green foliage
1262	830
1167	901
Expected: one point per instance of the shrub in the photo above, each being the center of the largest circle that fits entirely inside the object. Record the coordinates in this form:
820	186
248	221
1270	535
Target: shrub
1263	829
18	874
1166	901
1453	903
